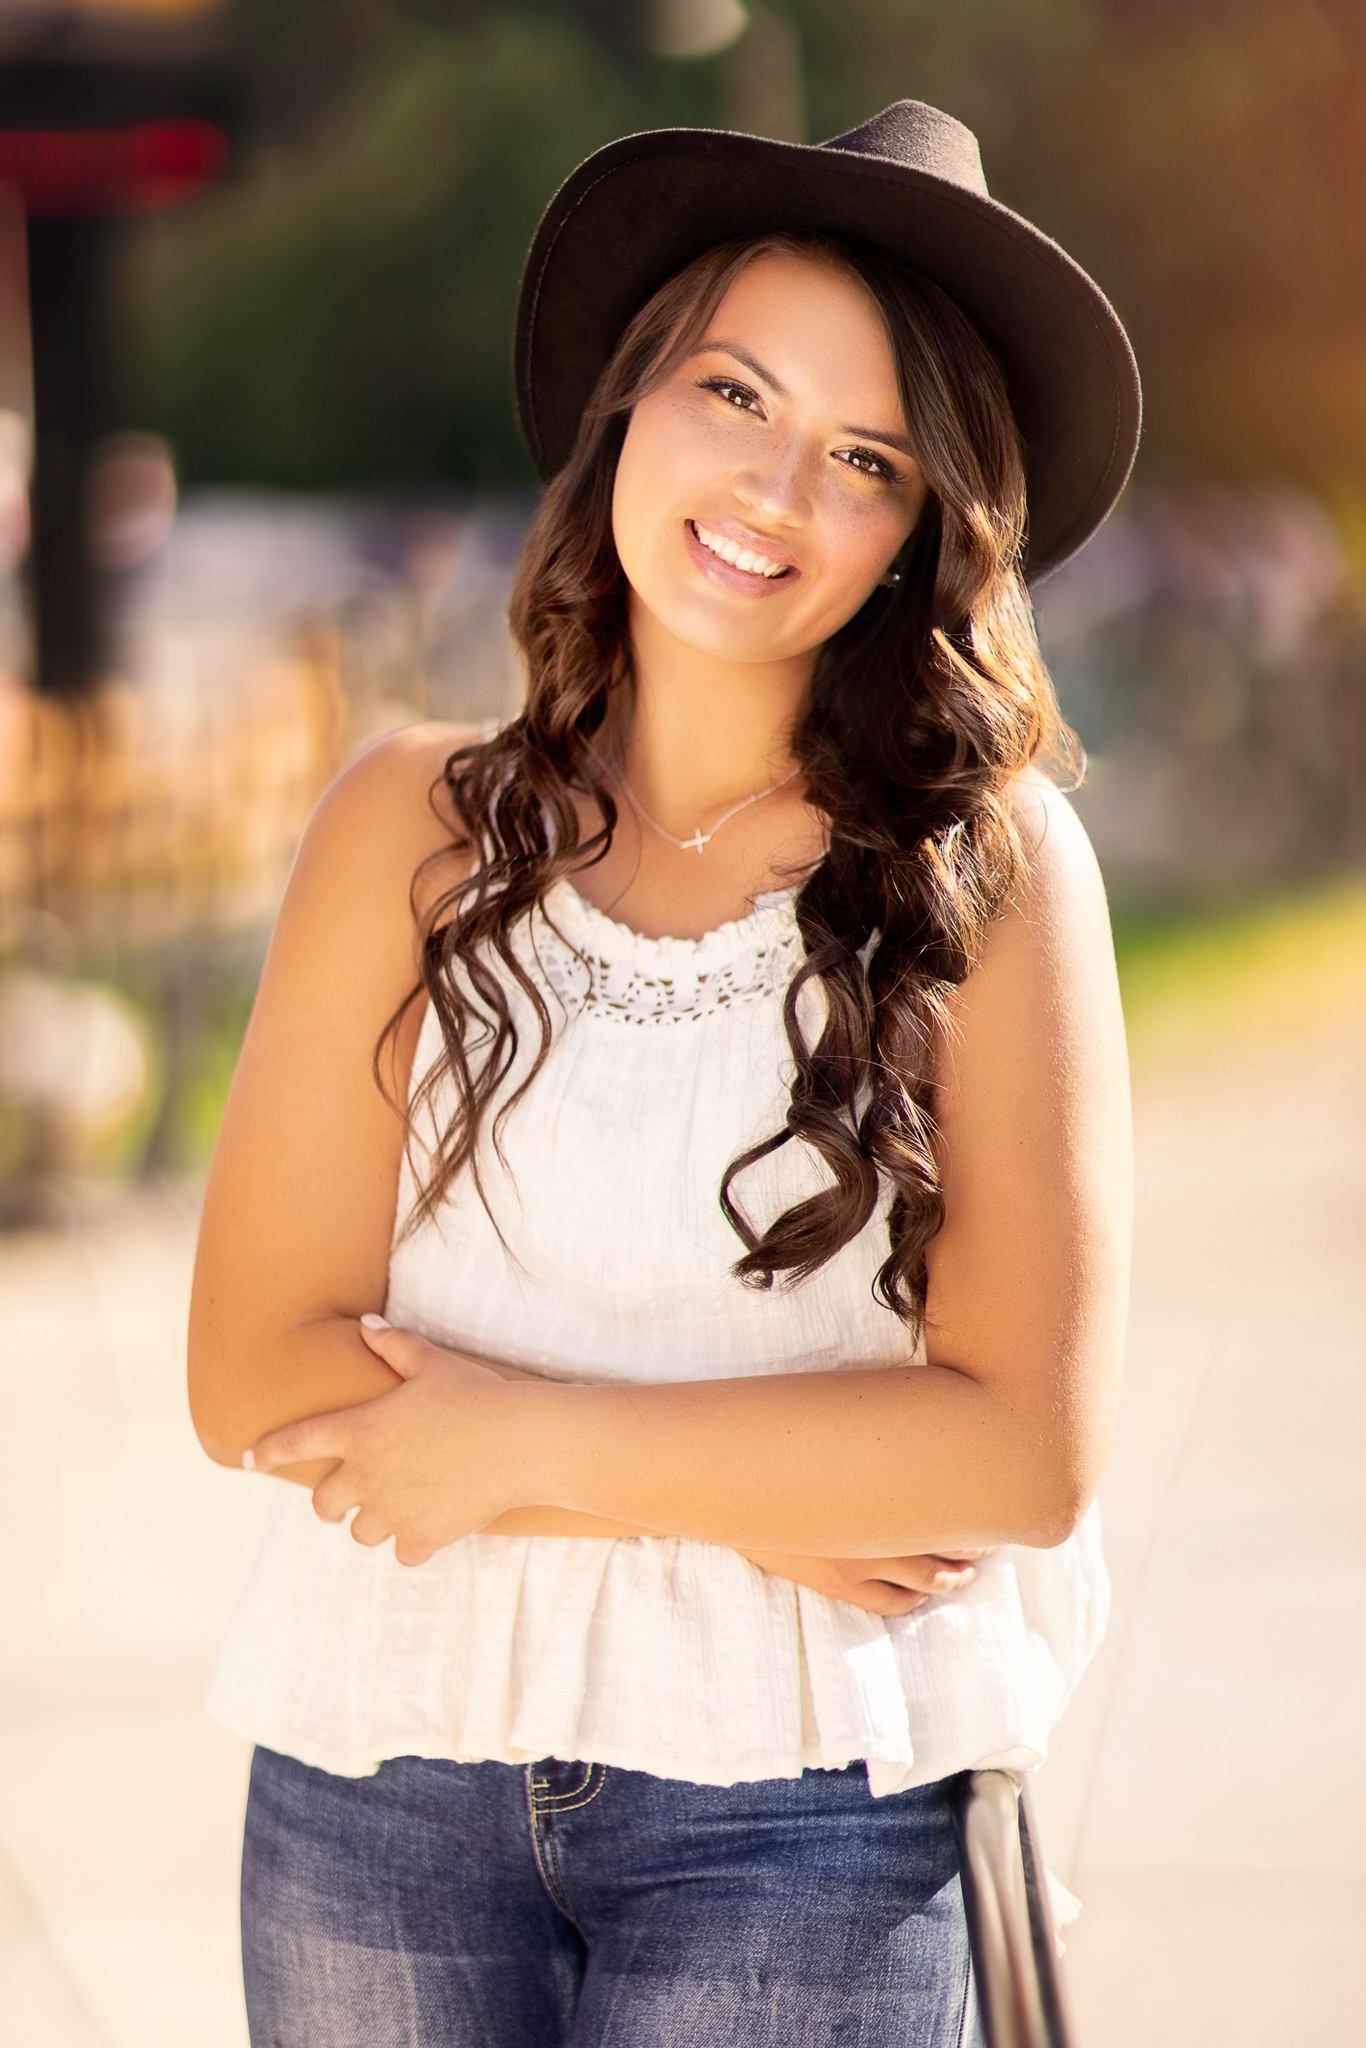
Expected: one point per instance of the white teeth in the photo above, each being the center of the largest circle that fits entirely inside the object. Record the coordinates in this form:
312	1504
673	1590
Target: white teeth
740	558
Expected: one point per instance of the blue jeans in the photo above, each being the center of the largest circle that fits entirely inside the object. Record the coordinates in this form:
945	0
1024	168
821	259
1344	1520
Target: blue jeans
443	1905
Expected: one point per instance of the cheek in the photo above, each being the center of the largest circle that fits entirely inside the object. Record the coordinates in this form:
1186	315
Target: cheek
860	536
639	508
673	448
670	464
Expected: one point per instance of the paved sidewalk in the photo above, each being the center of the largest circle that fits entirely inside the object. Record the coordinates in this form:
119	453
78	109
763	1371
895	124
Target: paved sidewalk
119	1801
1205	1796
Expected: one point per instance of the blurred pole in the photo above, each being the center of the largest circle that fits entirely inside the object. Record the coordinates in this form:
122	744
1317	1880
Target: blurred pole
68	272
107	113
761	77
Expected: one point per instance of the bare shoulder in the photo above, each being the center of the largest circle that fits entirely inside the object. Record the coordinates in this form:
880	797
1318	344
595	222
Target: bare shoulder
1059	867
384	816
380	843
391	796
1048	962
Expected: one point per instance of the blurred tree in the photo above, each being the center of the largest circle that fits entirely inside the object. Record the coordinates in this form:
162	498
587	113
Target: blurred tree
342	314
1206	159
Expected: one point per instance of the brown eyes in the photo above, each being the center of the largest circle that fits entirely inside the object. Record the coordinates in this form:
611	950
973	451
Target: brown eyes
867	464
737	395
741	398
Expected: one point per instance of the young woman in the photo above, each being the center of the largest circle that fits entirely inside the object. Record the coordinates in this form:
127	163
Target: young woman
716	1078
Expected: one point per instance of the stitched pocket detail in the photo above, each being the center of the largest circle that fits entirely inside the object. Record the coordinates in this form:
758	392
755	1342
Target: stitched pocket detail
542	1806
543	1800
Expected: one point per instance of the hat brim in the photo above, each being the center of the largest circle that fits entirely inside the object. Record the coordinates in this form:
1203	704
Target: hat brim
636	212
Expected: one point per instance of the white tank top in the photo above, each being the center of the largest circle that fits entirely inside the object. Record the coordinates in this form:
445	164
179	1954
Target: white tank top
614	1264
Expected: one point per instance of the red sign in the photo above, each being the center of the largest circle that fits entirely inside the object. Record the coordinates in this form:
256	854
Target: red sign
66	173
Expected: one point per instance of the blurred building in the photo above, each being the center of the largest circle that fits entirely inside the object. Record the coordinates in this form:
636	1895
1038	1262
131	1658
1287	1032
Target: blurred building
1210	647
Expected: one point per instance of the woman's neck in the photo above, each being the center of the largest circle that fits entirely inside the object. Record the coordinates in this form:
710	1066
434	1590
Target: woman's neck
701	737
706	732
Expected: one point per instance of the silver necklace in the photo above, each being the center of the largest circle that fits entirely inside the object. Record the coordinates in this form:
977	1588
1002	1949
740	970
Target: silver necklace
700	840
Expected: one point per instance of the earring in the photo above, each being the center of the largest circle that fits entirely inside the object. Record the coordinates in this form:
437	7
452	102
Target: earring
891	579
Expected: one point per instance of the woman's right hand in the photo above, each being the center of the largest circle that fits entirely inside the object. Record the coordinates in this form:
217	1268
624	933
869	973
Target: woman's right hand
879	1585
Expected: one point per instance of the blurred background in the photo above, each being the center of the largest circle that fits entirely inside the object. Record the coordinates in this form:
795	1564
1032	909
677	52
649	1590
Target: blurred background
260	499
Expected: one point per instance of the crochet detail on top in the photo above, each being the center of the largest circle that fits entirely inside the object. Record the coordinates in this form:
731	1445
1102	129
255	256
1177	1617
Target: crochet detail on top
594	964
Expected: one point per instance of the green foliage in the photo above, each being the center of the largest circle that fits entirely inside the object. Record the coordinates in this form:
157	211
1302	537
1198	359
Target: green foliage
1230	976
340	313
195	1110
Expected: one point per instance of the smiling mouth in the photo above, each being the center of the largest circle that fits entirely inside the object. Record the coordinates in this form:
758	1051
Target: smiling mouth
748	560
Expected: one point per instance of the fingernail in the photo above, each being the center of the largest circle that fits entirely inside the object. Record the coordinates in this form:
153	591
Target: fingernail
248	1460
945	1582
374	1322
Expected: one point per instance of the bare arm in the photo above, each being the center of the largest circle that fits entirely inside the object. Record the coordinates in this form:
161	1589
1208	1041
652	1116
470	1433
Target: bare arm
299	1207
999	1438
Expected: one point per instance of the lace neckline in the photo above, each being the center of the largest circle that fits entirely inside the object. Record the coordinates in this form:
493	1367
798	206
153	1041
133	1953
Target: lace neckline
595	963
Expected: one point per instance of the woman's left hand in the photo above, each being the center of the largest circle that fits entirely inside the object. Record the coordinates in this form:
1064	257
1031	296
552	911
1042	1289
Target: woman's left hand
879	1585
420	1464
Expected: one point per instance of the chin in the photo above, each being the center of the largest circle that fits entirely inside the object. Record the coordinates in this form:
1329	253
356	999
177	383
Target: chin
736	647
715	631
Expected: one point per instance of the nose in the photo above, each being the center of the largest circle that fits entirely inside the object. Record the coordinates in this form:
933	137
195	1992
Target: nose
774	487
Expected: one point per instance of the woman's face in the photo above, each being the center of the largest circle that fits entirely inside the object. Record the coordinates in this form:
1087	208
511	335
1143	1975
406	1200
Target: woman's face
766	486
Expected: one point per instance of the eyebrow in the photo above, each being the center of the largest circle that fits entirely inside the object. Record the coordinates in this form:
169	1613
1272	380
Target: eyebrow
888	439
751	363
742	355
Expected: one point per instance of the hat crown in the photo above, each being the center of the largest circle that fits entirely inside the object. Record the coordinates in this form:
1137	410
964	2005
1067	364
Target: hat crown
919	138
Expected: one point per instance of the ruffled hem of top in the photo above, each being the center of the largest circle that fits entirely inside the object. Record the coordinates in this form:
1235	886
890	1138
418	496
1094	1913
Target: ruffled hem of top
650	1654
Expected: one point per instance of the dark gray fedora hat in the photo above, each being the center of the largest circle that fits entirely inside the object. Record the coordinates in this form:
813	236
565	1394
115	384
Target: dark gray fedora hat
908	182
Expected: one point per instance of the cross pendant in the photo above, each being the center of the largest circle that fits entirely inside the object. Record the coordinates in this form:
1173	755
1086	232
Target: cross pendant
697	844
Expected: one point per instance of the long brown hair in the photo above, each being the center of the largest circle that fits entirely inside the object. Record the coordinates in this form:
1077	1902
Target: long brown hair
922	709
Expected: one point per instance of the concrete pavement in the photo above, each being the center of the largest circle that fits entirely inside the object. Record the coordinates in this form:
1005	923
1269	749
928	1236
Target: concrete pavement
1206	1796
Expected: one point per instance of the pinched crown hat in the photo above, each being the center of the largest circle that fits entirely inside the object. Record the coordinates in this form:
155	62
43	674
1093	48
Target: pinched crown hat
909	182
